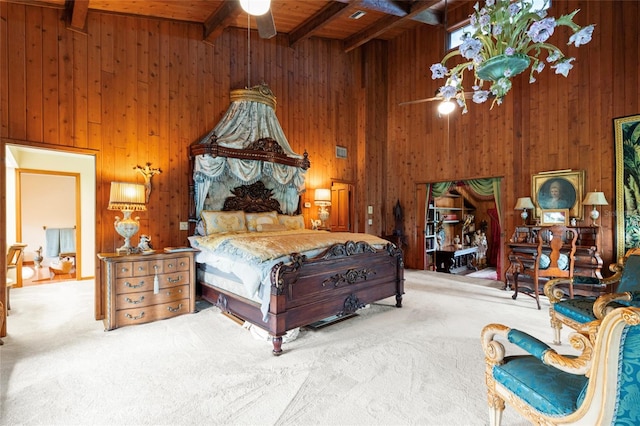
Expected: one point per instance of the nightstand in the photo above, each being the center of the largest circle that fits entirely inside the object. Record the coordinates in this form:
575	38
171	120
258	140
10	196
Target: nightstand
144	288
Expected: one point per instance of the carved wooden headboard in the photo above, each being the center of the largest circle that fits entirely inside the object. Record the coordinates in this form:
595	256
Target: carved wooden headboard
254	198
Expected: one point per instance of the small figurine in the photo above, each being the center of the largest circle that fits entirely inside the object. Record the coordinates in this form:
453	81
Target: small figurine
145	243
315	224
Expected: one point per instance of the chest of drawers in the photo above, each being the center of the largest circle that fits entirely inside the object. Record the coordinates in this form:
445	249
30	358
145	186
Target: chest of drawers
145	288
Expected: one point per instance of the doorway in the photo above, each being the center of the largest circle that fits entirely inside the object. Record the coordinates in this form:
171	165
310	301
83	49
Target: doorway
456	217
56	164
341	206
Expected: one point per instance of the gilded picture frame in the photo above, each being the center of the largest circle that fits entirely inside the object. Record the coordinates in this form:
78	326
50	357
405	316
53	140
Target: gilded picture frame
627	144
561	189
554	217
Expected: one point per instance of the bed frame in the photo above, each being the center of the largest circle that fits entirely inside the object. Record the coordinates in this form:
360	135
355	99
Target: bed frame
337	282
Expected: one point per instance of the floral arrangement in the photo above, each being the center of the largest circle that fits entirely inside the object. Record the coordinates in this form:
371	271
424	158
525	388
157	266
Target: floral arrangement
507	37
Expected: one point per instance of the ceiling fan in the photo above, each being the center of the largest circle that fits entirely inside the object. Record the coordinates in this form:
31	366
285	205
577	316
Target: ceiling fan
261	9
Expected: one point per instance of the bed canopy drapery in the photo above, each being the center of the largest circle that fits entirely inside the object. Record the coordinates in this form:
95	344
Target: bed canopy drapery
246	146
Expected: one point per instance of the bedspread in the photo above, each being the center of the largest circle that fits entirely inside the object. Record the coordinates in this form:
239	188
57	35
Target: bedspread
251	255
257	247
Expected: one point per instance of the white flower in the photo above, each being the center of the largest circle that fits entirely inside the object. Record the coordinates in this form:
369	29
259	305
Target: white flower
438	71
448	92
470	47
563	67
582	37
480	96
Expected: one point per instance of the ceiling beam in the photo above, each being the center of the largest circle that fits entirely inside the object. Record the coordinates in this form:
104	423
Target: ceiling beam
385	24
327	14
215	23
76	15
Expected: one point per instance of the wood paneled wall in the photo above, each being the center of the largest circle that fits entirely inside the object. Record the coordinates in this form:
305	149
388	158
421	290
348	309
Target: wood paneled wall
136	90
553	124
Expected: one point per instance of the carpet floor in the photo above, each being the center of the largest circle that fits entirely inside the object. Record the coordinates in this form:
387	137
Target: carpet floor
418	365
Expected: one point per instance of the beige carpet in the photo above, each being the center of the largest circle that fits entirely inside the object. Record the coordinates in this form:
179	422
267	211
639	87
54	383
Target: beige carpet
419	365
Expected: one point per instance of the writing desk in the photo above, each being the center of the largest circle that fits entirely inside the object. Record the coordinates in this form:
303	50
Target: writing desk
524	245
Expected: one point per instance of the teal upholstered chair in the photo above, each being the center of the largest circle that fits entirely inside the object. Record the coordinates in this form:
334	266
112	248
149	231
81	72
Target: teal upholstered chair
597	387
577	313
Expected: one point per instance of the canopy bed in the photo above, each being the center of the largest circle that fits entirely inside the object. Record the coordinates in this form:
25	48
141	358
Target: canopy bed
257	261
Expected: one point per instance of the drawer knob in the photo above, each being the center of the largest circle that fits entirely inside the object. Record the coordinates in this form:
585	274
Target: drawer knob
135	302
129	316
128	284
174	280
169	308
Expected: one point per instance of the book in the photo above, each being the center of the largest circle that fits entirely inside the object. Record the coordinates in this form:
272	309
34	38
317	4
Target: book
177	249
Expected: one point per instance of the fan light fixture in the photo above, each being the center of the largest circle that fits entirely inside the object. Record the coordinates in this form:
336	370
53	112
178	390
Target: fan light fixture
446	107
127	197
595	199
255	7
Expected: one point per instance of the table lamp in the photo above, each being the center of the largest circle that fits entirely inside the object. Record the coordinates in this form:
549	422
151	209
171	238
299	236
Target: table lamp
524	203
595	199
322	198
127	197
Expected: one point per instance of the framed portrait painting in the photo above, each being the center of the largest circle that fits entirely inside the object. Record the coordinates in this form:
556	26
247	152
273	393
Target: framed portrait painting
627	151
558	190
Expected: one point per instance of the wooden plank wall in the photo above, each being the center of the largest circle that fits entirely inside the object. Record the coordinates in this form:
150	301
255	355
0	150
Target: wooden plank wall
553	124
135	90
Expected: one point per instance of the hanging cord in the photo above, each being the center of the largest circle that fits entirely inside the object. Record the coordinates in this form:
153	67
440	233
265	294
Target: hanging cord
248	50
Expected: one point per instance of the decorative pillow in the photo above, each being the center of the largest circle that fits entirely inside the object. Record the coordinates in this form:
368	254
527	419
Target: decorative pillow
255	219
216	222
266	227
292	222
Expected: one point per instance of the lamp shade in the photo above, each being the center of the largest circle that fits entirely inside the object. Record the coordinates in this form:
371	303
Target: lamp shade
255	7
524	203
322	197
127	196
595	199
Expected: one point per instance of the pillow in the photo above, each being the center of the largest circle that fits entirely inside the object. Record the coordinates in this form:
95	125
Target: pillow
292	222
255	219
266	227
216	222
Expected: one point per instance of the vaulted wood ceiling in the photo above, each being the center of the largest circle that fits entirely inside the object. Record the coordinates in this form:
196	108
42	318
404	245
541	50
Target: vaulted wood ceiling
299	19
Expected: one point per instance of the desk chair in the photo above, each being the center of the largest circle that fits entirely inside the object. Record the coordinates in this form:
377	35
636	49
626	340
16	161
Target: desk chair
14	263
555	258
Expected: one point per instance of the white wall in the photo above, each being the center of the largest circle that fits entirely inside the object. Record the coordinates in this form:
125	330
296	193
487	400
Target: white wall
50	160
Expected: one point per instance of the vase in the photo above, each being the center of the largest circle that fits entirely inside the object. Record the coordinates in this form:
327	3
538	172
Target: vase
493	68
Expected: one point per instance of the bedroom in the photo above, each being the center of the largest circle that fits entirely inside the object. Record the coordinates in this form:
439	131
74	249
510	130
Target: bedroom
134	90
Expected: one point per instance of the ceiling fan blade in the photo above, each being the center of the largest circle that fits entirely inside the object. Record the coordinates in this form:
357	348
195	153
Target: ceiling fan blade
419	101
266	25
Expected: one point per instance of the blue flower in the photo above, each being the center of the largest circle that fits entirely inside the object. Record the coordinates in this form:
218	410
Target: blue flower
438	71
540	31
563	66
582	37
448	92
470	47
480	96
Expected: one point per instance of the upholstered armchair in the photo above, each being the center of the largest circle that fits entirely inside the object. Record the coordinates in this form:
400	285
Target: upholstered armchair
597	387
623	289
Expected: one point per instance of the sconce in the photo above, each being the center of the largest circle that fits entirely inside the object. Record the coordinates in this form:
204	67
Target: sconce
524	204
127	197
595	199
322	199
147	172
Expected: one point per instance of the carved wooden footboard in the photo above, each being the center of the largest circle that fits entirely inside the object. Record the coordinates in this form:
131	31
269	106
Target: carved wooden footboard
341	280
